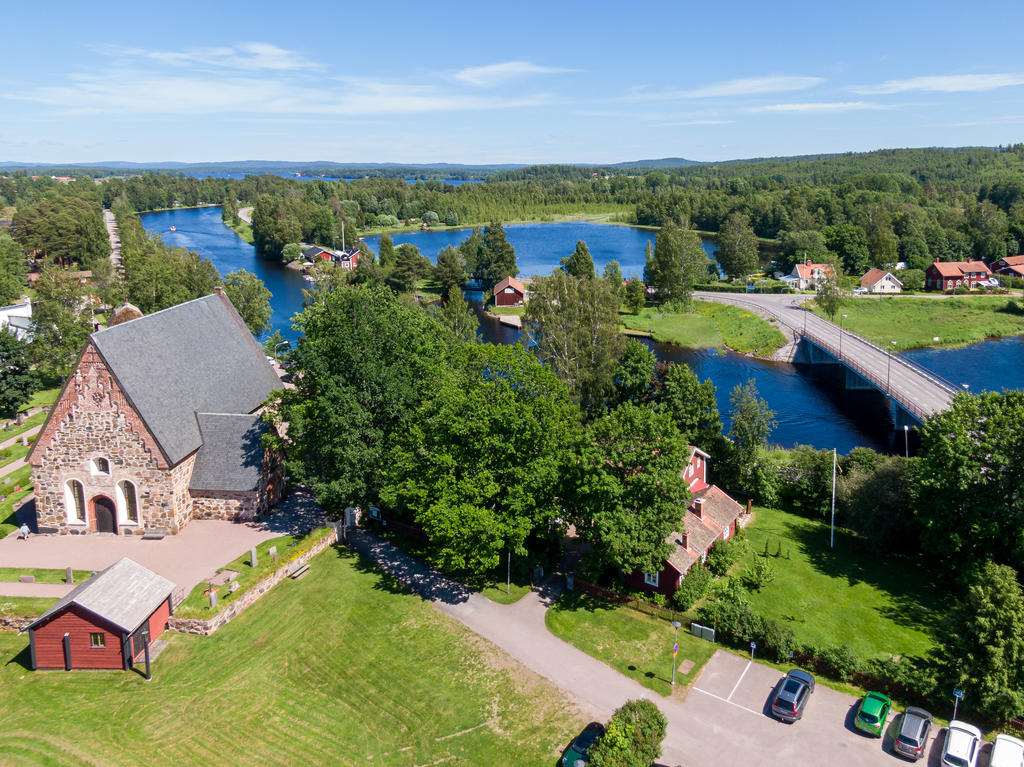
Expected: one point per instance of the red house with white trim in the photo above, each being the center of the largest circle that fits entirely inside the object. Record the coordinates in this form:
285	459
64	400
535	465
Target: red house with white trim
950	275
1011	266
509	292
105	622
710	515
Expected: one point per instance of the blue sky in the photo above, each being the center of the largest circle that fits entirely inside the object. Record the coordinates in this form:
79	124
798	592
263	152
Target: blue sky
488	82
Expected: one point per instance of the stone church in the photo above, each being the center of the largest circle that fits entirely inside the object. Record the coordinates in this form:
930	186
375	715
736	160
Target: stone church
160	423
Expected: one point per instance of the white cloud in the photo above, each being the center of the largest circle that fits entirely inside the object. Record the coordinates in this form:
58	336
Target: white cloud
821	107
944	83
493	74
250	56
746	86
686	123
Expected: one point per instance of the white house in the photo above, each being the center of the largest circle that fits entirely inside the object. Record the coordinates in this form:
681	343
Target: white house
809	275
17	318
880	281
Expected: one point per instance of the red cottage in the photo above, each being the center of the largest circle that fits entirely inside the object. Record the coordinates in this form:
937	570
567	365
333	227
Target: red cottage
1011	266
105	622
509	292
710	515
950	275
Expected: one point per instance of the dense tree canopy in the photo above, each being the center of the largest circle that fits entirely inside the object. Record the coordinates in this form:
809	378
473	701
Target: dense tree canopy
737	246
480	465
250	298
17	379
633	736
61	321
580	263
677	263
12	270
67	230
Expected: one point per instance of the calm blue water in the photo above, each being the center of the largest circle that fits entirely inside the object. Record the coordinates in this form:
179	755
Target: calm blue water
811	405
203	231
540	248
994	365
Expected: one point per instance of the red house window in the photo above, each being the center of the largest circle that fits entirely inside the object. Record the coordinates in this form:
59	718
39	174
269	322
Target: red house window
97	640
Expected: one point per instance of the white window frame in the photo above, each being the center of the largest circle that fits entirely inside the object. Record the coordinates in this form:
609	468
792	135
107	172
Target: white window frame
70	506
652	580
121	500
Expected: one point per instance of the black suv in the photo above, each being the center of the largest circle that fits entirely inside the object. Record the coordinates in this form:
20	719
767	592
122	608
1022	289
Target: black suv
793	693
913	735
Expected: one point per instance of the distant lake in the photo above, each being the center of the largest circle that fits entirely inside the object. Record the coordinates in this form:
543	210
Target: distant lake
540	248
993	365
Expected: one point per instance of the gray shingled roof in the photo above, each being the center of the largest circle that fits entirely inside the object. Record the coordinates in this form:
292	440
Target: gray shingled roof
125	594
231	455
193	357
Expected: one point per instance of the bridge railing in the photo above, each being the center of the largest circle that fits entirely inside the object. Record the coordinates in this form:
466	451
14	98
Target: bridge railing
905	401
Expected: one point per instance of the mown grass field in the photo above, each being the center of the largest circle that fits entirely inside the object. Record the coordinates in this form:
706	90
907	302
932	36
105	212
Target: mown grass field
9	574
19	478
914	323
848	595
343	667
633	643
709	326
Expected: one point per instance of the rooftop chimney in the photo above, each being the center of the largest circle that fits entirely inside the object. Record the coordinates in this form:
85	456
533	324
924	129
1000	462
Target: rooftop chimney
684	540
698	508
219	290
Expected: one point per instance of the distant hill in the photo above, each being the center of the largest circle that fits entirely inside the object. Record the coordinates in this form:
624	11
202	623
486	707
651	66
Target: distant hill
664	162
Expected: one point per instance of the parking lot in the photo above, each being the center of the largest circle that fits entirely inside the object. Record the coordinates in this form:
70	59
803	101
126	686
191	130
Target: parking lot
728	722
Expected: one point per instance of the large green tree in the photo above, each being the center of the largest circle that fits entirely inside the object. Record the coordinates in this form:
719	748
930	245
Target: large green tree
634	373
410	267
61	321
983	643
12	270
250	298
966	484
691	403
580	263
574	324
480	464
676	264
67	230
458	316
450	271
364	365
17	379
751	420
499	256
627	493
737	245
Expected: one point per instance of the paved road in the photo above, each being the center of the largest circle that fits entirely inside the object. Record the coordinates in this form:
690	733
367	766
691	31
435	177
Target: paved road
245	214
917	390
723	723
115	238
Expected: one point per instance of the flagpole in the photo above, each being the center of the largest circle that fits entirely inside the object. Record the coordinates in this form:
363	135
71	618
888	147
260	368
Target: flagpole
832	533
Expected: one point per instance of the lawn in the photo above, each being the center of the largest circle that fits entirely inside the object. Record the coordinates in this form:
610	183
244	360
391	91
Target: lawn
14	453
243	230
709	326
849	595
9	574
508	311
21	478
15	429
43	397
343	667
24	607
633	643
915	322
197	605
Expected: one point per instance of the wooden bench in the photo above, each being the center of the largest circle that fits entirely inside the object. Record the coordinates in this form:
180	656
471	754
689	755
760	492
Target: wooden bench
300	572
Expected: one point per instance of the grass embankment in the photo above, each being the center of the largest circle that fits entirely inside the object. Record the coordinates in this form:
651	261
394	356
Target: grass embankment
24	607
507	311
22	479
709	326
915	323
850	595
197	605
598	215
243	230
12	574
344	667
633	643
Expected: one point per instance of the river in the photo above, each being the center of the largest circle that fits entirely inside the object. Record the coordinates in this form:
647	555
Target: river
812	407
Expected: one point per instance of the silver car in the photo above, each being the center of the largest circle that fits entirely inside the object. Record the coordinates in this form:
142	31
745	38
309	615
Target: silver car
913	734
962	746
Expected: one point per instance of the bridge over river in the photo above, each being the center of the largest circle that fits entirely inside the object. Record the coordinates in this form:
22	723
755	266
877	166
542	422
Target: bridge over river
912	389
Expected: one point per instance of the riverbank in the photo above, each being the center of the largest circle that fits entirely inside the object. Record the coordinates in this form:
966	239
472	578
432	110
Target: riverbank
922	323
710	326
606	217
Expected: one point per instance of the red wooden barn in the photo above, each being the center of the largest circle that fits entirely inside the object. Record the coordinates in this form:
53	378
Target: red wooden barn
509	292
105	622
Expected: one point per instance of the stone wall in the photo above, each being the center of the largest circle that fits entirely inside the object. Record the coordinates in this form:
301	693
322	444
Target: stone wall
93	418
233	507
232	610
14	622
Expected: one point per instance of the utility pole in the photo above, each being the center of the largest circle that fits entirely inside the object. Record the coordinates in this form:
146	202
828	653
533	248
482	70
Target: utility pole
832	534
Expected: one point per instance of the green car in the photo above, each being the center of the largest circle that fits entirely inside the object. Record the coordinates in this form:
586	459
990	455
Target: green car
577	753
872	713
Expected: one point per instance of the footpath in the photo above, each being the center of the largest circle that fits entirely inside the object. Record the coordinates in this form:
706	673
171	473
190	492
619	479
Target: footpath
519	630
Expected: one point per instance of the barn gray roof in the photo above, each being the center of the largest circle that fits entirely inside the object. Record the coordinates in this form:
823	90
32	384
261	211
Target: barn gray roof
231	455
125	594
193	357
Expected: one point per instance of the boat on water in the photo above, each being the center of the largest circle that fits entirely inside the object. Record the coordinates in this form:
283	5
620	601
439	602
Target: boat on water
174	228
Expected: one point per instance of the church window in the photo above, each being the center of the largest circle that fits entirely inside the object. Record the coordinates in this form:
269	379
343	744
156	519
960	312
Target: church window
100	465
74	501
129	501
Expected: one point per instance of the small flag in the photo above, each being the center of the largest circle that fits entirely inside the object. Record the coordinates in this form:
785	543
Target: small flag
675	649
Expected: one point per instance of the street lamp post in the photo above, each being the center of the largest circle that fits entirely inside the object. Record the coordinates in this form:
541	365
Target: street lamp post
888	369
841	318
278	346
675	650
906	440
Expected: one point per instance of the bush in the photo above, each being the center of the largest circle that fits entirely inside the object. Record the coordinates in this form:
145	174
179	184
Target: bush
723	555
777	640
633	737
693	587
759	574
841	661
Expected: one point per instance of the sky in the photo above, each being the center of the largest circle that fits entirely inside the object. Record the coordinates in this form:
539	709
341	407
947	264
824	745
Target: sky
513	82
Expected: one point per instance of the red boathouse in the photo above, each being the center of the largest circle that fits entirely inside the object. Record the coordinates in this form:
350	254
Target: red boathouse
105	622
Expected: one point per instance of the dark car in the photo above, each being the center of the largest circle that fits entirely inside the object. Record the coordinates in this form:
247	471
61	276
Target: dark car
913	734
577	752
792	696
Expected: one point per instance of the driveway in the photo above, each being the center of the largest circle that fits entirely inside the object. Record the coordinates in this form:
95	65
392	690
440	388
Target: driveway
721	721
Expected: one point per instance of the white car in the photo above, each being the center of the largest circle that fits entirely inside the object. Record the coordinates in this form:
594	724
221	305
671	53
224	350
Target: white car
962	746
1007	751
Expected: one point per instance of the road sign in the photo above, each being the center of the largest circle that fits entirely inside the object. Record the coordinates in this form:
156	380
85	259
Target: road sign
675	649
958	693
753	645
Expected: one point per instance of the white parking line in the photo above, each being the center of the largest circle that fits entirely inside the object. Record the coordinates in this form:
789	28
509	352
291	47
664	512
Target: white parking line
726	700
745	670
